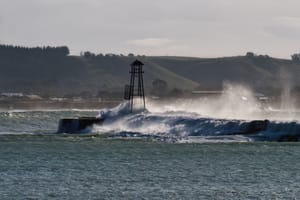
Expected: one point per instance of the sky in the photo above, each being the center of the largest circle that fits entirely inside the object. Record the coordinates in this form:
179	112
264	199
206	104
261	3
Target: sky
200	28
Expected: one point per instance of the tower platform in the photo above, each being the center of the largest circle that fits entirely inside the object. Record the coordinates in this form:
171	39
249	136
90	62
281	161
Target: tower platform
78	125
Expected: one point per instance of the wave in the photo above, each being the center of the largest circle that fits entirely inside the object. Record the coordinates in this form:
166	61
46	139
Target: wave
235	116
187	127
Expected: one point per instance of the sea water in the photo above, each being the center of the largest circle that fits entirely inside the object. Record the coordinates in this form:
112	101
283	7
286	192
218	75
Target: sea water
145	155
73	167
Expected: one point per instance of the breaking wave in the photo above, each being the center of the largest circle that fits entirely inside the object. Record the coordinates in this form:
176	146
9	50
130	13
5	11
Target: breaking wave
180	126
234	116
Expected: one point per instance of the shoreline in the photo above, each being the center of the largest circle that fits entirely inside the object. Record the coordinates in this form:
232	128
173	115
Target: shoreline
54	105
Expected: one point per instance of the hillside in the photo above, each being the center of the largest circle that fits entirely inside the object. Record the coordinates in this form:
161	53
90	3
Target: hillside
35	70
51	71
258	72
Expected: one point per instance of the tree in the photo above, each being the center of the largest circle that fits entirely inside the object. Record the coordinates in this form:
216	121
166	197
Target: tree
159	87
176	92
250	54
64	50
88	54
296	57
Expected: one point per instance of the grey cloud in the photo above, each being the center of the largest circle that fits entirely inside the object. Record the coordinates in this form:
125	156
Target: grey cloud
287	28
192	27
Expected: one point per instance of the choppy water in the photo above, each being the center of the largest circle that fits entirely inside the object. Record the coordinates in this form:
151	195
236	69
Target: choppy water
147	155
57	167
168	126
36	122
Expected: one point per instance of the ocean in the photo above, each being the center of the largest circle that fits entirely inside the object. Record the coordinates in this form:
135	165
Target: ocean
165	152
74	167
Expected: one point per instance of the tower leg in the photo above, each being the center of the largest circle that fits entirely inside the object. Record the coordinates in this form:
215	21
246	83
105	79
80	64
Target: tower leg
143	93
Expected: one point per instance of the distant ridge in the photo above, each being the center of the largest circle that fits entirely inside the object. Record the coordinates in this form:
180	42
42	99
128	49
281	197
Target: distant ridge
258	72
51	70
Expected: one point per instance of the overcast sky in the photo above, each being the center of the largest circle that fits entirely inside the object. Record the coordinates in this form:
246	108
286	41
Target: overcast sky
203	28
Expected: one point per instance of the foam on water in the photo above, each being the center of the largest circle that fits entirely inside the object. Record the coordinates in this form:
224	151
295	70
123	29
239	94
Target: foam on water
188	127
219	119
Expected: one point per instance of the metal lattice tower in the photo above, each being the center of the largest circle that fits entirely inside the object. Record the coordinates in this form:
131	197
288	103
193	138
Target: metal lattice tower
135	91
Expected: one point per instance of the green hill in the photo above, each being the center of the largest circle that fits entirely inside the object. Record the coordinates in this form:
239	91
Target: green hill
259	72
51	71
35	70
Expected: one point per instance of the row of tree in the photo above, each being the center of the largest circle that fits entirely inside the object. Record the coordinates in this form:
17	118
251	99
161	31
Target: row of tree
90	55
18	51
295	57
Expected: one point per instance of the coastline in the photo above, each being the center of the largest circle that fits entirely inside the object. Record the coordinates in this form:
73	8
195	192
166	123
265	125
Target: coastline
6	106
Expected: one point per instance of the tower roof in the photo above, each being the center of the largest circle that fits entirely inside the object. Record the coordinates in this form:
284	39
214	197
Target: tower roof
137	63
